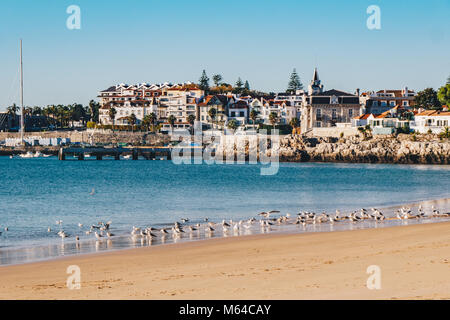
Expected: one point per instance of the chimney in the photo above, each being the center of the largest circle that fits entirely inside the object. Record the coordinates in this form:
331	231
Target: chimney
357	92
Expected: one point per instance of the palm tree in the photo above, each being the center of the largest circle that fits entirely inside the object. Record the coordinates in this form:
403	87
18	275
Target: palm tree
12	111
171	120
295	123
37	111
445	133
232	124
132	120
273	118
253	116
212	114
191	120
152	118
148	120
112	115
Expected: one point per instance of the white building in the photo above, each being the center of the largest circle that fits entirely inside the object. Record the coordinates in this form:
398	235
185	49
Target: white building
434	120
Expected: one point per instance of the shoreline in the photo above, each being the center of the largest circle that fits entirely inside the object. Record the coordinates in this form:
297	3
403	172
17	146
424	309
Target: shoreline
122	242
325	265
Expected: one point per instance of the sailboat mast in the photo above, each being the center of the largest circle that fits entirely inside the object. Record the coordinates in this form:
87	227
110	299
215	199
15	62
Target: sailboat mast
22	127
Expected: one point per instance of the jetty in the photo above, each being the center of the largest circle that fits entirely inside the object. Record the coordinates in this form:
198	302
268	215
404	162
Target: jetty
148	153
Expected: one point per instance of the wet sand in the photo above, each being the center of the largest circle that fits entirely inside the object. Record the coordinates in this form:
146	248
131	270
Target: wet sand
414	262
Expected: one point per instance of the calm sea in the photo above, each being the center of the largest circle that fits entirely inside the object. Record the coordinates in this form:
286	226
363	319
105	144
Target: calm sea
34	193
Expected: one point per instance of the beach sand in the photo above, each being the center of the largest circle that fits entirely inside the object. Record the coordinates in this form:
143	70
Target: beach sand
414	262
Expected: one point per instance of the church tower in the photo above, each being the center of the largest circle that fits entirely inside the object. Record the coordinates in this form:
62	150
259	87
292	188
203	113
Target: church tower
315	87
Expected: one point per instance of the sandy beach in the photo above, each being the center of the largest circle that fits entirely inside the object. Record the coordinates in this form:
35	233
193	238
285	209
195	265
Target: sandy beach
414	262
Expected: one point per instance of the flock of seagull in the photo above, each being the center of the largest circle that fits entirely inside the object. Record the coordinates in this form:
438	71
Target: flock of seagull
266	220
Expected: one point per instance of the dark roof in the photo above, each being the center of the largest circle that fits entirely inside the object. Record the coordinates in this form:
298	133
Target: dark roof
110	89
334	92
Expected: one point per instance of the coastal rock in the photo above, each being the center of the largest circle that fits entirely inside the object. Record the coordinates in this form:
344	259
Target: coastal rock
426	149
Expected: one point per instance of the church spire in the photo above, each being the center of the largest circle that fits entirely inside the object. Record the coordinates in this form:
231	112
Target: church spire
315	86
316	75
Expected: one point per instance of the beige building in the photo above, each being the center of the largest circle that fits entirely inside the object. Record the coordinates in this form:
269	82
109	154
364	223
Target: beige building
321	109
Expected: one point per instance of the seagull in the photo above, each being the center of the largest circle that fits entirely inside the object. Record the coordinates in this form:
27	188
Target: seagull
49	229
435	211
59	222
62	234
77	238
109	234
164	231
184	220
80	225
97	235
6	229
92	192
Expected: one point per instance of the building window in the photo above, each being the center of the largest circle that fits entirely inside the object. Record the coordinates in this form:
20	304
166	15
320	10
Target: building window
241	114
405	103
392	103
318	124
318	114
233	114
333	114
350	113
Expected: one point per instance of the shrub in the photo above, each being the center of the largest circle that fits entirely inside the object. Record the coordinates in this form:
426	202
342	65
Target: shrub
90	125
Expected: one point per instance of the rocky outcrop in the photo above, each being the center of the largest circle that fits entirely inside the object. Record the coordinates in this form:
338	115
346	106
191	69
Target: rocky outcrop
407	149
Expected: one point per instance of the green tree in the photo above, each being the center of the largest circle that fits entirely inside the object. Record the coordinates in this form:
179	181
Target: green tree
239	85
253	116
132	120
217	78
273	118
427	99
93	110
150	120
212	114
444	94
232	124
191	120
12	111
295	123
445	133
171	120
294	82
112	115
204	82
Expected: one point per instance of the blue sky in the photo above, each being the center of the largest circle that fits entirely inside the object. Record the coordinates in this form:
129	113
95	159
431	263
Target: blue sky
260	41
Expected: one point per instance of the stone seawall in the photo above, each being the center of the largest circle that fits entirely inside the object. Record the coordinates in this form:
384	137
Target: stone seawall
135	138
423	149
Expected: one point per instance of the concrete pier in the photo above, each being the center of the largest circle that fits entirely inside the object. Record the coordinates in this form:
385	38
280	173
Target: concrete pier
148	153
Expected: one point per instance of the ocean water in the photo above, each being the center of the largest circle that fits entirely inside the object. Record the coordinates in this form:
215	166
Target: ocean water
34	193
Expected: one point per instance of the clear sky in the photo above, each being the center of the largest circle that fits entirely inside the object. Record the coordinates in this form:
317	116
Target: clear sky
261	41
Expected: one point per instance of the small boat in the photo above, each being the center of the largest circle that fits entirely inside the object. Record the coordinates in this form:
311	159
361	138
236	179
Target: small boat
37	154
46	155
128	156
27	155
87	155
